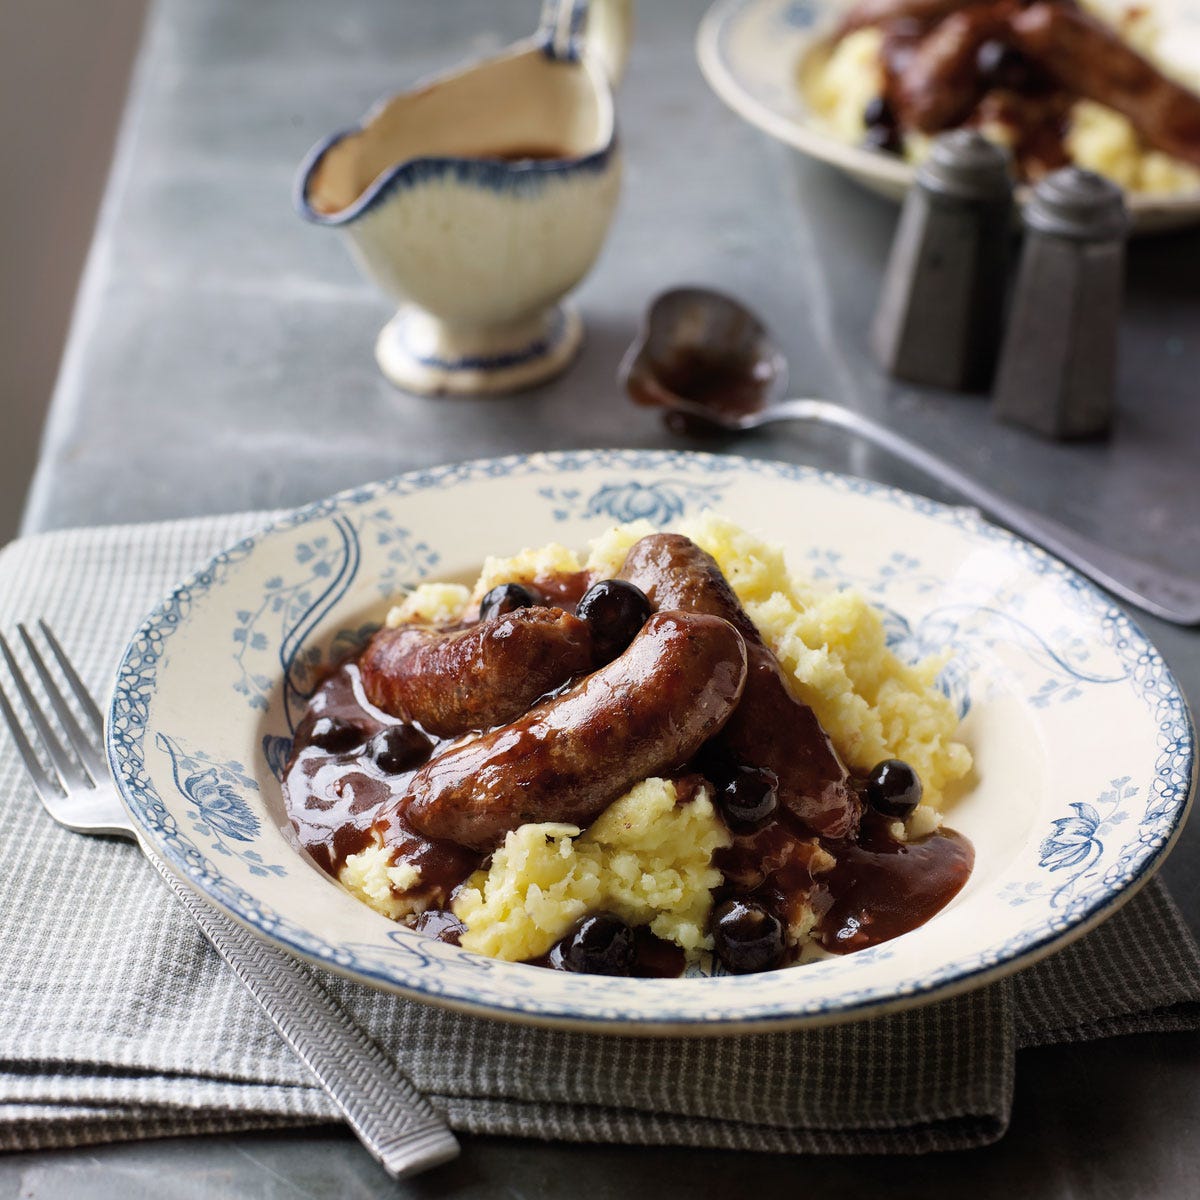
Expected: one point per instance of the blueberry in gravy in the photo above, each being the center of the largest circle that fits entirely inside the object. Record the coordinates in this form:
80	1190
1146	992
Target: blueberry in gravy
614	611
748	796
505	598
748	936
399	748
893	789
599	945
335	734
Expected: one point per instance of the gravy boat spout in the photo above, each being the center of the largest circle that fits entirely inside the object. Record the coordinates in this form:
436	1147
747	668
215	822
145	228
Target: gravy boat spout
476	201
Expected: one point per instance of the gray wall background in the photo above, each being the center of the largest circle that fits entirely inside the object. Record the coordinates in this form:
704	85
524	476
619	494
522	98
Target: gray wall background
64	70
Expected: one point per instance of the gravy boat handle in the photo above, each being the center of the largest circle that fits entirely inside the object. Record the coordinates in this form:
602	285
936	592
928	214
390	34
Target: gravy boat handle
569	30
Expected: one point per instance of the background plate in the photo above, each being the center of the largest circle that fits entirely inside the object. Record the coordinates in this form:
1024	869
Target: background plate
752	53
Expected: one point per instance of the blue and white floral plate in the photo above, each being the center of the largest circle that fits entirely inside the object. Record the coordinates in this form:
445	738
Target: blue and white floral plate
1083	744
755	55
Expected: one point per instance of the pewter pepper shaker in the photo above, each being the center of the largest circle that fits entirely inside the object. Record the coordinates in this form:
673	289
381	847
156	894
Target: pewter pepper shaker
942	302
1058	363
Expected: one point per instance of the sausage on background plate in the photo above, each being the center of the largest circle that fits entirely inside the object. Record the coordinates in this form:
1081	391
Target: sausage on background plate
1088	57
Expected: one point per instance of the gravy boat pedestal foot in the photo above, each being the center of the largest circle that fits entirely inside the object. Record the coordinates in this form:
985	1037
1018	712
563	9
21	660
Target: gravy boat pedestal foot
419	353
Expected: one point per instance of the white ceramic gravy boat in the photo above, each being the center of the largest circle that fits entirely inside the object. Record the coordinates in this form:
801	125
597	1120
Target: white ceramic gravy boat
478	199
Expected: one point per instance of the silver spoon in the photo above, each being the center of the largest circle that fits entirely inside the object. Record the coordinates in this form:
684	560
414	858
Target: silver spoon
705	357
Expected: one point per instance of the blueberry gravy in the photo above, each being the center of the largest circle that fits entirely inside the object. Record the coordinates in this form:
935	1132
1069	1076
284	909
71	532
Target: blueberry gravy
877	889
880	888
335	801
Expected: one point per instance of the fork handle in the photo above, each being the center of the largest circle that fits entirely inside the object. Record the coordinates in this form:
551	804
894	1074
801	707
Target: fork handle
390	1117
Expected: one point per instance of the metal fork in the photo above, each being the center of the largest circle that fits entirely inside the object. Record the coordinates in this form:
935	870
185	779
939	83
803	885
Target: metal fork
391	1118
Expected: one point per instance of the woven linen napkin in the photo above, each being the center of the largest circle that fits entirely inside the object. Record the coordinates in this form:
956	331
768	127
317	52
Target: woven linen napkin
117	1020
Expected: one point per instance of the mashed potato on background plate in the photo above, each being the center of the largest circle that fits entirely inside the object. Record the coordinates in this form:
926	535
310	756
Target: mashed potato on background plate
840	81
648	858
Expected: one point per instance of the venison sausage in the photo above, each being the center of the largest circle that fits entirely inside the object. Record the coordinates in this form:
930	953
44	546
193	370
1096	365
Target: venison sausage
880	12
1088	57
940	84
476	678
771	728
568	758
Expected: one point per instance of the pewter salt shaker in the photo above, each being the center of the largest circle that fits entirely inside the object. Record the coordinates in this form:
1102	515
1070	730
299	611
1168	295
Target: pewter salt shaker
1058	363
942	303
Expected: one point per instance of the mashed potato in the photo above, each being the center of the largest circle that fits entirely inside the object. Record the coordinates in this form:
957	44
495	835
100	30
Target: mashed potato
390	889
1105	142
431	603
841	84
647	858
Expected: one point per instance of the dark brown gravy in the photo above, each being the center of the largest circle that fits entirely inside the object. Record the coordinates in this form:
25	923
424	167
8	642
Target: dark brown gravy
527	153
881	888
335	801
563	591
332	800
441	924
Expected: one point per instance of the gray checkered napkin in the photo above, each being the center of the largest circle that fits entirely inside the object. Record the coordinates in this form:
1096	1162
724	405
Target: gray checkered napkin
118	1021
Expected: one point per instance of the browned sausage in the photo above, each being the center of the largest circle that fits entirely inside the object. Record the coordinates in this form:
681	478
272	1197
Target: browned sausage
940	84
568	758
476	678
1088	57
771	727
881	12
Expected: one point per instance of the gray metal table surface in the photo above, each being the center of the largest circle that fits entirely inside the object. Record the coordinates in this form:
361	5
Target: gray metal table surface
220	359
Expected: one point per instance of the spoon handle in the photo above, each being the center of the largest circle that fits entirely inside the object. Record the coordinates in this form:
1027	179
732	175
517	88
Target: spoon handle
1168	595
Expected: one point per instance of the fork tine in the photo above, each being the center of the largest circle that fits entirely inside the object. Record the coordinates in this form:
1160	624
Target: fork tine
43	782
88	754
82	695
67	769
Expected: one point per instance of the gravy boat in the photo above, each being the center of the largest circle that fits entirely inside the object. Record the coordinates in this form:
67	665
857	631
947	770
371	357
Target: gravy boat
478	199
